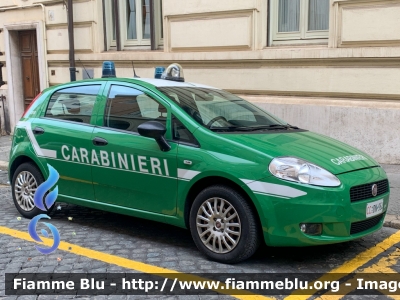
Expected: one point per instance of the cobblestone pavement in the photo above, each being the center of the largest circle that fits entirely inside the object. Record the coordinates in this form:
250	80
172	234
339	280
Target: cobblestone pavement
4	177
151	243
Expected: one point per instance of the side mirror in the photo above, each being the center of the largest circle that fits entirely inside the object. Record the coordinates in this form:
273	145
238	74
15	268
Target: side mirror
155	130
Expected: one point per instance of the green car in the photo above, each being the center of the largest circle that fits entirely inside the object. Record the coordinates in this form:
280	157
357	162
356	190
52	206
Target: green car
196	157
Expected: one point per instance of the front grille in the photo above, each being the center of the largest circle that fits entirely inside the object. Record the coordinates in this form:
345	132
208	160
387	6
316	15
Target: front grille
361	226
363	192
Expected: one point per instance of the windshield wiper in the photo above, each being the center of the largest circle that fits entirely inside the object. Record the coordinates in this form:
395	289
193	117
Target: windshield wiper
265	127
231	128
288	126
271	127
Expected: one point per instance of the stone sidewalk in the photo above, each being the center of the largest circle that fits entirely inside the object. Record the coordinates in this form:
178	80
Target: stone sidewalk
393	216
393	171
5	146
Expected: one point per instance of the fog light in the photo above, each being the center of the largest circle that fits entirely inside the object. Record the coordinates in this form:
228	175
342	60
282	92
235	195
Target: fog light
311	228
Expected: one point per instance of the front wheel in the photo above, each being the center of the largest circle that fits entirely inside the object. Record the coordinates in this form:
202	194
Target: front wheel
223	225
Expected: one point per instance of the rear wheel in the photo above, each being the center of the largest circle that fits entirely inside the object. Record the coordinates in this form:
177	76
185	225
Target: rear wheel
223	225
25	181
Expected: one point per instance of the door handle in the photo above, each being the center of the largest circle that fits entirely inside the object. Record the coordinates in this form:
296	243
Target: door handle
38	130
99	141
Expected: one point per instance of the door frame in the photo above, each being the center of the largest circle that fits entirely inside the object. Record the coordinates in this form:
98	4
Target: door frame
14	68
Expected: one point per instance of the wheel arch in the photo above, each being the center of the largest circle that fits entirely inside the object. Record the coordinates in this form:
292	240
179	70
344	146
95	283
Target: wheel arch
205	182
20	160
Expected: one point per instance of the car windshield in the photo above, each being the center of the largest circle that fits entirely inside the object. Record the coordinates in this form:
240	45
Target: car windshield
219	110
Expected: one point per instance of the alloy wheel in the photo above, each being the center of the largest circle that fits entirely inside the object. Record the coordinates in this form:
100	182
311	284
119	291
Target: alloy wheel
218	225
25	188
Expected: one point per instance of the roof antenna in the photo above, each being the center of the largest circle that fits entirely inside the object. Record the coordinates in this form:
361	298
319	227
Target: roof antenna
134	73
87	73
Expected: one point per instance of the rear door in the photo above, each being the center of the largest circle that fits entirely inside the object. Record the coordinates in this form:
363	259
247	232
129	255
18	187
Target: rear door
130	170
64	135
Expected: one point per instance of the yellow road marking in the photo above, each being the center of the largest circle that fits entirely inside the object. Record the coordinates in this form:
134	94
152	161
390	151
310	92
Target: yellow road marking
128	264
350	266
382	266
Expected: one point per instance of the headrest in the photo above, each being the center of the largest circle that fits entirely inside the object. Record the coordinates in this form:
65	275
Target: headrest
203	97
162	109
75	108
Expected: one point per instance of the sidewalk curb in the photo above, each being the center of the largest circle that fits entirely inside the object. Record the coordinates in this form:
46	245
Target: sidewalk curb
3	165
392	221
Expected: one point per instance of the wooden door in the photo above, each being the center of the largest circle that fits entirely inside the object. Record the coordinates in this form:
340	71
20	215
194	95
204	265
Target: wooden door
30	67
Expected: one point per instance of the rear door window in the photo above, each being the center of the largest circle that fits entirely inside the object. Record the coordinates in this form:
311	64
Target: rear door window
73	104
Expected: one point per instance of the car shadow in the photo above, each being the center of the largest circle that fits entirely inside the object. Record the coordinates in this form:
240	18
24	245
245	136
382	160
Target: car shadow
123	225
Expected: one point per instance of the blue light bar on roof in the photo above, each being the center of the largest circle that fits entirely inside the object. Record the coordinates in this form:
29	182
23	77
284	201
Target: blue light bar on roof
158	72
108	70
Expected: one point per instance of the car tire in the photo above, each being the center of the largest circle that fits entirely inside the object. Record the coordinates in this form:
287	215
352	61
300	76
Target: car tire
217	232
27	176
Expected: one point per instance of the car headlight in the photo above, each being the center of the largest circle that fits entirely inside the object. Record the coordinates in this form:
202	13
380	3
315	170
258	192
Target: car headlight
298	170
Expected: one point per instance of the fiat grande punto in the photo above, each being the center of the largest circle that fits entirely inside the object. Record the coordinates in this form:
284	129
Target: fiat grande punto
196	157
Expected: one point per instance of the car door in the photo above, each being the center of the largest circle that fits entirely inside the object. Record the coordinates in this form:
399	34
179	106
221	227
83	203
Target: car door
63	135
130	170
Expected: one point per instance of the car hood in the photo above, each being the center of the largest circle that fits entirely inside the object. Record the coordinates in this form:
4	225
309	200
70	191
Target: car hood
330	154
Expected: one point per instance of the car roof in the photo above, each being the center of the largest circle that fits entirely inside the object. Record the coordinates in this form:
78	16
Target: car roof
146	82
170	83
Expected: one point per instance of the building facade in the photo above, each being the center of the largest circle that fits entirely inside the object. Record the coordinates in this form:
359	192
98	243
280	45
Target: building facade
330	66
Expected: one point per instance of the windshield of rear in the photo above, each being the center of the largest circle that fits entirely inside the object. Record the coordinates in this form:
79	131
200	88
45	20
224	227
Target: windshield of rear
219	110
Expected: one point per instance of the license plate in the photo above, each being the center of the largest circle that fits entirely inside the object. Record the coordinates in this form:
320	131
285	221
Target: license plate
374	208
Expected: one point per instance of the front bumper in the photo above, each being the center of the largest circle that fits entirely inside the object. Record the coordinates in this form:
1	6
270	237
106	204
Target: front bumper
281	217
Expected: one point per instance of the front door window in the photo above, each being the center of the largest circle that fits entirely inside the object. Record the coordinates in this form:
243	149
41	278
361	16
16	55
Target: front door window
127	108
